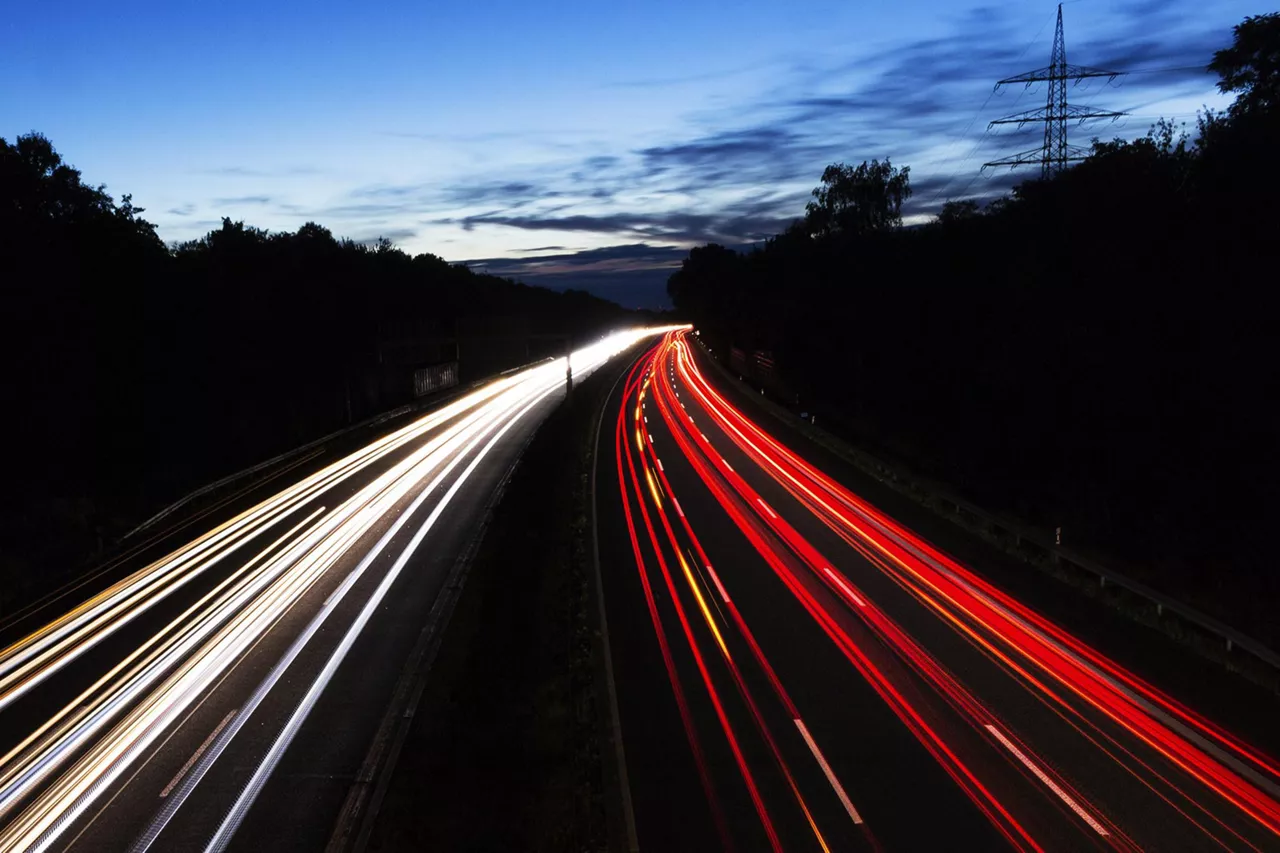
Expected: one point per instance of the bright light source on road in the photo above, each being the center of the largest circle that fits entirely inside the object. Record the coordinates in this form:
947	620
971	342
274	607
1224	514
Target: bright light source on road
73	758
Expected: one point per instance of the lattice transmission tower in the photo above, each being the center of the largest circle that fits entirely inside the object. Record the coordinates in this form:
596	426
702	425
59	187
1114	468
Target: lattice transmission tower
1055	153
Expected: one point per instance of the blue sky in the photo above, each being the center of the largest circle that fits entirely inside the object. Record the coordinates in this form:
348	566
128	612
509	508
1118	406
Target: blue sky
565	142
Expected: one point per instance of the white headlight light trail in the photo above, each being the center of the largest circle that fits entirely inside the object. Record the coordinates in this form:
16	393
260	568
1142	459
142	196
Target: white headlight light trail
113	723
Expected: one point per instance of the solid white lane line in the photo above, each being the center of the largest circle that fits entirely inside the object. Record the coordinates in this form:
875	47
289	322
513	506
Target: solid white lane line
1044	777
158	574
719	586
268	763
20	763
108	760
195	756
826	768
844	586
193	778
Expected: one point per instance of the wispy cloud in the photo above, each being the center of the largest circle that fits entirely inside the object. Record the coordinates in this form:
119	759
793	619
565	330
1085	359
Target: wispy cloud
631	256
243	172
392	234
237	201
740	168
685	79
733	225
633	274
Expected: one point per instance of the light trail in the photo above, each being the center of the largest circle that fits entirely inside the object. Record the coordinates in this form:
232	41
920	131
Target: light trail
657	486
893	694
54	774
1239	773
1095	696
499	427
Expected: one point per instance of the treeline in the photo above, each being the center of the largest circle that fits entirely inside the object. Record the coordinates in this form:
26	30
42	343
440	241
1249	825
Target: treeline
1094	352
136	372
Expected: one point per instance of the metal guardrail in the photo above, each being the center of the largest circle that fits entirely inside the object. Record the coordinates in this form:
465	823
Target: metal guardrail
267	463
1106	576
996	524
375	420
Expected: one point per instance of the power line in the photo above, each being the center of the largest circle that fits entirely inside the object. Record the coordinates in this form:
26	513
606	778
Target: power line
1171	69
983	138
1055	153
967	157
955	172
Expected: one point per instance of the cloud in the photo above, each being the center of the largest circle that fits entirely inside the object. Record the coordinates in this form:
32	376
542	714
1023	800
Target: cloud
634	275
181	210
243	200
740	171
681	80
631	256
749	155
729	225
543	137
367	211
511	194
910	100
395	235
384	191
419	198
243	172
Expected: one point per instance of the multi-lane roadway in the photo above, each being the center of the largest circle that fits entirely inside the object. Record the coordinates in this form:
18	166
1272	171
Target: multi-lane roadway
225	694
796	670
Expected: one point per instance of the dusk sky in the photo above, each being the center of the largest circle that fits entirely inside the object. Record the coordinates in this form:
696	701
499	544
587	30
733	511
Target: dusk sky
578	140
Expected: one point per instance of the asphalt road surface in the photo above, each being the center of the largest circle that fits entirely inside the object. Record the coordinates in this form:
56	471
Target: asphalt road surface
224	693
798	671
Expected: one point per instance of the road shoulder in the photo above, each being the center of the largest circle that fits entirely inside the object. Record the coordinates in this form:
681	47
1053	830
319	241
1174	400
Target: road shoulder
508	745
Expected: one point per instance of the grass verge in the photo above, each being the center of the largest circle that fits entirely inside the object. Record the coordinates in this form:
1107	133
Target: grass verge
505	749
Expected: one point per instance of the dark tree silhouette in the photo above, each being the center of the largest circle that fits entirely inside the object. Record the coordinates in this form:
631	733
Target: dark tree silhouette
1250	68
857	200
140	372
956	211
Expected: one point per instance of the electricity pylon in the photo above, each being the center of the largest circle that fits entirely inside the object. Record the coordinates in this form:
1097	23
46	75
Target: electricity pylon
1055	154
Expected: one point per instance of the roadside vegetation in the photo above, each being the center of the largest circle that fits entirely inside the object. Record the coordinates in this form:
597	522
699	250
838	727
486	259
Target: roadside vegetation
138	372
1092	353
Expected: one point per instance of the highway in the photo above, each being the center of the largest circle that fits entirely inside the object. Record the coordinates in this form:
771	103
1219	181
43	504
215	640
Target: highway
223	695
796	670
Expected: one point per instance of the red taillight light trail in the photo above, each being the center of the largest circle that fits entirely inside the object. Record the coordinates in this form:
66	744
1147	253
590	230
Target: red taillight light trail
1005	632
1085	671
